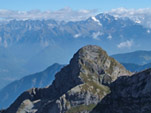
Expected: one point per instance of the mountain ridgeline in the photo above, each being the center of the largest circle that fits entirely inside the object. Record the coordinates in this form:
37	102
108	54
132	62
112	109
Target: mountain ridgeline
137	57
77	88
42	79
128	95
135	61
26	44
135	67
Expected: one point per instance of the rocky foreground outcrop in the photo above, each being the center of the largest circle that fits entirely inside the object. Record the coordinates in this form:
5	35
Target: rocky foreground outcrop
77	88
128	95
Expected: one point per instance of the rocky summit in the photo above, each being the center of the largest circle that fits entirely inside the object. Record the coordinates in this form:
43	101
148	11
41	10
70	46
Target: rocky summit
77	88
128	95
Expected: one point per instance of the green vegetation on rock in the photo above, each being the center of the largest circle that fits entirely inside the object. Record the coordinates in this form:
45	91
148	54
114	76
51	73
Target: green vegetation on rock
80	108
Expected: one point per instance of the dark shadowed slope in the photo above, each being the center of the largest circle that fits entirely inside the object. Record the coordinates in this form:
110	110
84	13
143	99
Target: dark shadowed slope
42	79
128	95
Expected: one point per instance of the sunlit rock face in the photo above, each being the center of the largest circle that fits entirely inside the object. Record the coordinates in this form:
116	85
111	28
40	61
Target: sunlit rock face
78	87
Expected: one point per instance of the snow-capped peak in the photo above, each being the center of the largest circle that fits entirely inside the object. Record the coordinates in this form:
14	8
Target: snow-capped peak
96	20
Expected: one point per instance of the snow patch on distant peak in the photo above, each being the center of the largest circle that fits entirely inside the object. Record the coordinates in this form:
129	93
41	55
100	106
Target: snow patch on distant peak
93	18
96	20
141	16
116	17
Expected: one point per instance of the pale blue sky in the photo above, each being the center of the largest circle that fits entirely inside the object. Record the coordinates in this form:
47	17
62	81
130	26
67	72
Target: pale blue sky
101	5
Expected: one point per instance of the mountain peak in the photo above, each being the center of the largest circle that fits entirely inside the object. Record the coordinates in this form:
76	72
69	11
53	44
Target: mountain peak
96	60
91	49
86	78
89	52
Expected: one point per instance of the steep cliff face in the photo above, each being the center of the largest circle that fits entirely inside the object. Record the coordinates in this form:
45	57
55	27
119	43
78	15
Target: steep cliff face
77	88
128	95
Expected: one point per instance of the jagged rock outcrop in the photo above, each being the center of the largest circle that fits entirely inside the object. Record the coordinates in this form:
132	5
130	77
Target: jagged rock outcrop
128	95
77	88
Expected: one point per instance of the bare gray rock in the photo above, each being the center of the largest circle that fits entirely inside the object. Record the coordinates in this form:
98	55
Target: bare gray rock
77	88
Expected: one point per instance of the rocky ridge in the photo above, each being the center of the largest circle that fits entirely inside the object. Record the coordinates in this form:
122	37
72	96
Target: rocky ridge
77	88
128	95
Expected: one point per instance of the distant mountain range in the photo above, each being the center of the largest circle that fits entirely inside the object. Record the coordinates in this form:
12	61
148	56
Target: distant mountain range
135	61
137	57
136	67
31	45
39	80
